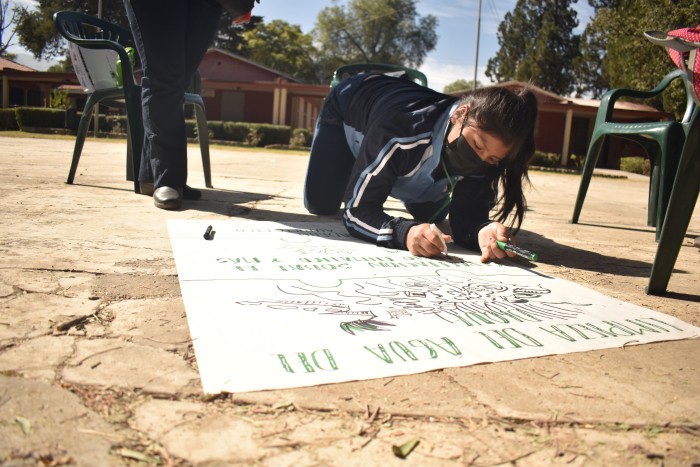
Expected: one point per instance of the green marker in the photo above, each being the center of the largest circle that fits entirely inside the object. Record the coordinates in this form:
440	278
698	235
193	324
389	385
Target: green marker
517	250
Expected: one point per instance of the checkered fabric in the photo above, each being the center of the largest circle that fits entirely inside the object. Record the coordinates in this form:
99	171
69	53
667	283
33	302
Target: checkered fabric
691	62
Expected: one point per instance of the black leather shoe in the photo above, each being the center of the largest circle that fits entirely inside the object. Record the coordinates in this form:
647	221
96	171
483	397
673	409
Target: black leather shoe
166	197
188	193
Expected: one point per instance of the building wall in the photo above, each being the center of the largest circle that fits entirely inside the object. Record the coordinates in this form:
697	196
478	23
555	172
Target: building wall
550	138
581	130
255	88
218	66
550	132
258	107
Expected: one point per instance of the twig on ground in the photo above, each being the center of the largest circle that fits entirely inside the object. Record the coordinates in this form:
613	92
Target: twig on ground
63	327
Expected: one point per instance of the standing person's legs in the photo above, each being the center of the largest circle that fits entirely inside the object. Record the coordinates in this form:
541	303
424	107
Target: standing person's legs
159	28
203	19
172	37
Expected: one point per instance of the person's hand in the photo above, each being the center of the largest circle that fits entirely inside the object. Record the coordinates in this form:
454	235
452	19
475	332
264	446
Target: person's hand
487	241
422	241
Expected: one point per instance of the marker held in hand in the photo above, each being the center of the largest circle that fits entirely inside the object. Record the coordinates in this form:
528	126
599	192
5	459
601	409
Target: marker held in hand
523	253
439	233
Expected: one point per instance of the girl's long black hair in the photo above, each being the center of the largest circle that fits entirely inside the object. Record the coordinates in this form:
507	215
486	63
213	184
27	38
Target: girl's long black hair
509	116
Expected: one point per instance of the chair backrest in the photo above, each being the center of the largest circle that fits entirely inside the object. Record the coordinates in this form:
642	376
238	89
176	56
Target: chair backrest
95	69
346	71
91	32
95	45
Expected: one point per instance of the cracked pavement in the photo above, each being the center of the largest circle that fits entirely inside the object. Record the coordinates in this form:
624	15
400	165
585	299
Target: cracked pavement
97	366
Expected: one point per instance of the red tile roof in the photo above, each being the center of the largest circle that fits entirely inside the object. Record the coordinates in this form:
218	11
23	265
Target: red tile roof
6	64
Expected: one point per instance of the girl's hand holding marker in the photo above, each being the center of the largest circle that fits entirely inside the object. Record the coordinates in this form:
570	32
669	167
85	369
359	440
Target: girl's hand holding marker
517	250
505	246
441	237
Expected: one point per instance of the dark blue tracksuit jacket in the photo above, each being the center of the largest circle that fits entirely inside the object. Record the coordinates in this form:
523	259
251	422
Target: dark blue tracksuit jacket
396	131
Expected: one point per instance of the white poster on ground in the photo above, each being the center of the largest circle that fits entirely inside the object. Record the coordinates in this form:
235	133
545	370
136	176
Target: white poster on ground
273	305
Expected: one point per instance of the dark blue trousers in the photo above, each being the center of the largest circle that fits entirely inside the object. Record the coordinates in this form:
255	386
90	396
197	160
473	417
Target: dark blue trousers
331	161
171	37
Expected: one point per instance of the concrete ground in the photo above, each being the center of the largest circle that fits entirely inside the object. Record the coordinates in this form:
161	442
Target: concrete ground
97	367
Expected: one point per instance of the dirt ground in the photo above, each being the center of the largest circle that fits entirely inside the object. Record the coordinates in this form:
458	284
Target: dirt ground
97	366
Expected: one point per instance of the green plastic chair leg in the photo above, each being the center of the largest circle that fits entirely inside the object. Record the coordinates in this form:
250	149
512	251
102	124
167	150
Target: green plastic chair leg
129	157
686	189
667	169
83	128
84	125
135	131
586	174
654	182
202	134
80	140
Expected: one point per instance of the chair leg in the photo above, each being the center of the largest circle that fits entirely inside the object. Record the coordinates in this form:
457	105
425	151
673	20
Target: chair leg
135	131
83	128
686	189
667	174
653	210
586	174
203	137
129	156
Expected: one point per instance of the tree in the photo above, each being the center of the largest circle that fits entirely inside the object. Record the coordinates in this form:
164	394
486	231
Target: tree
62	66
229	36
588	65
536	44
461	85
373	31
282	47
279	45
37	33
616	54
7	17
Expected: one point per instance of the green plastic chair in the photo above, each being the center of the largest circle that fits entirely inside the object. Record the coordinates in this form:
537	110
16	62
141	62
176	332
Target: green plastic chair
686	187
346	71
663	142
94	33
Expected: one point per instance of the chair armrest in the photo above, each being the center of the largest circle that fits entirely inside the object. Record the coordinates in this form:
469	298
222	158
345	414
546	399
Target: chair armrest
607	102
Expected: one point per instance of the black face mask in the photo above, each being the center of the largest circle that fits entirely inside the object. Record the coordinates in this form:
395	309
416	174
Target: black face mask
461	159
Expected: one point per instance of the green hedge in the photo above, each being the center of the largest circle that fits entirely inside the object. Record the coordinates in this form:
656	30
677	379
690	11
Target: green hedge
8	120
552	160
637	165
545	159
116	124
39	117
253	134
301	137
